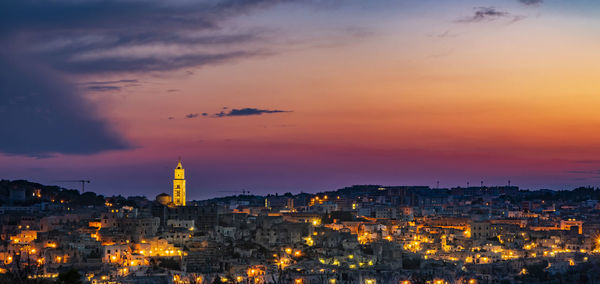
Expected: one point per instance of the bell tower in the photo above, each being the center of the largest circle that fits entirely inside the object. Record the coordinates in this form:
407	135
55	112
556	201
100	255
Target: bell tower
179	185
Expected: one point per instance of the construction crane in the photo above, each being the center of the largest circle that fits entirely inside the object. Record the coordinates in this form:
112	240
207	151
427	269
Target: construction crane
82	181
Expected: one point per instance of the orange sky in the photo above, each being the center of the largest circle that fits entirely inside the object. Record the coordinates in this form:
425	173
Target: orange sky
412	95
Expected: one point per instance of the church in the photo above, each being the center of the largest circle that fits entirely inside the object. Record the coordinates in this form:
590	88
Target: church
178	198
179	185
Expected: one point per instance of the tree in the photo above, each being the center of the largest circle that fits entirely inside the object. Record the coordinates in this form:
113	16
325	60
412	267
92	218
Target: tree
70	276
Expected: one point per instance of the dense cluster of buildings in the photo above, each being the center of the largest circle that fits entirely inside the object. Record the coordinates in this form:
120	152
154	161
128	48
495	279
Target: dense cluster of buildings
360	234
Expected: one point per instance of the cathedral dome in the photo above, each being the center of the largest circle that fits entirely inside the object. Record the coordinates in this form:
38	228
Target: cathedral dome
163	198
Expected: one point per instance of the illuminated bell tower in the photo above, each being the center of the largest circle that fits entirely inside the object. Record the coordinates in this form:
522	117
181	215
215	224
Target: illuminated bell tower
179	185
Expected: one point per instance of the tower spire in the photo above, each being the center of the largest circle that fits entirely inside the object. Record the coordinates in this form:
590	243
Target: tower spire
179	185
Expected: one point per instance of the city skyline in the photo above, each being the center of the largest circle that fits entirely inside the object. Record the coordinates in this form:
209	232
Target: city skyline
361	234
299	141
179	187
290	96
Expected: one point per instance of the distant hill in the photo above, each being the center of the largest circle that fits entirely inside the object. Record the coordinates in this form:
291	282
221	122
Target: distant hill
36	193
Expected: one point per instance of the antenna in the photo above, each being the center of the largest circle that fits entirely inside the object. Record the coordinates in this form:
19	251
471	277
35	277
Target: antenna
82	181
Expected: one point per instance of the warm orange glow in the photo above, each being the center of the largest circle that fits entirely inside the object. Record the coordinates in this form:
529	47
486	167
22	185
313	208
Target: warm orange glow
95	224
309	241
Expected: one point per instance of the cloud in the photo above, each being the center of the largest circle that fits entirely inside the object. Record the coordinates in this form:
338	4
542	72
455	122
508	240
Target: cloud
247	112
102	88
129	36
42	114
485	14
445	34
112	82
151	63
106	86
531	2
191	115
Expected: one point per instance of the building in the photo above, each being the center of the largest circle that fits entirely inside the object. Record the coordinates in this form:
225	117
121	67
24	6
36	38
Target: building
163	199
179	185
481	230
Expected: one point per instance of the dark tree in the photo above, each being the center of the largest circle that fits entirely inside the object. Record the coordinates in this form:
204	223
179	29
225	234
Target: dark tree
70	276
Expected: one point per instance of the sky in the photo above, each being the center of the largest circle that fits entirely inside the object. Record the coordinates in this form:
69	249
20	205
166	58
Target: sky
299	96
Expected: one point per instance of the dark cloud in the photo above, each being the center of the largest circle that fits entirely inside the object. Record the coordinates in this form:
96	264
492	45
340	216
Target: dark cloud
170	118
146	64
247	112
106	86
172	90
118	14
191	115
531	2
127	36
204	114
112	82
103	88
484	14
42	114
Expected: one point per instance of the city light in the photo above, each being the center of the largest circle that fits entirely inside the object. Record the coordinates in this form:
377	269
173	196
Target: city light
267	244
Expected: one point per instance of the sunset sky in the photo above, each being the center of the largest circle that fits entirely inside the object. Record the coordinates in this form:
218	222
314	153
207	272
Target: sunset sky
278	96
